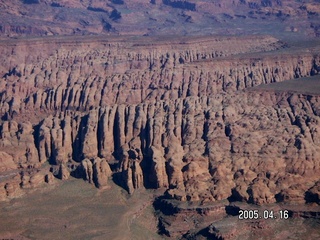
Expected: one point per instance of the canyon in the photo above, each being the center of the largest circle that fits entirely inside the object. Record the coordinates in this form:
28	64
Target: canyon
159	119
203	123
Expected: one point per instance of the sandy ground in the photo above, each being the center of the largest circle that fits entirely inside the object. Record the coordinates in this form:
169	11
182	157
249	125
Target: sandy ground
77	210
307	85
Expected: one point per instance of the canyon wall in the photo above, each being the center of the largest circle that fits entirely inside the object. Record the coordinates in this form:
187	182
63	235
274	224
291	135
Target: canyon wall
183	117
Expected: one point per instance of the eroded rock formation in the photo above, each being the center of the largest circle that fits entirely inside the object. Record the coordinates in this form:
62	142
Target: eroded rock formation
184	117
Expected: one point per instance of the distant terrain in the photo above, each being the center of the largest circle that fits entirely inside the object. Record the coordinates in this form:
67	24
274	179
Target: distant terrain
159	17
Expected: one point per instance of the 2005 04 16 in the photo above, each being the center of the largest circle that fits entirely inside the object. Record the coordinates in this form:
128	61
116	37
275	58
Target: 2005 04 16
266	214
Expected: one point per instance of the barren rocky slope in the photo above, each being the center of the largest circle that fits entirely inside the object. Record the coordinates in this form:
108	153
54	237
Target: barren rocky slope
178	114
56	17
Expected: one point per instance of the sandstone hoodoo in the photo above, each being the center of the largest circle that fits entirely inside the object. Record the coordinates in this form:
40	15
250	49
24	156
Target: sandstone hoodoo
180	114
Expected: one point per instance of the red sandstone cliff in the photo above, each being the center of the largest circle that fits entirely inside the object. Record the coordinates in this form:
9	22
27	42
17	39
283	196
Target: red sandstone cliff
177	117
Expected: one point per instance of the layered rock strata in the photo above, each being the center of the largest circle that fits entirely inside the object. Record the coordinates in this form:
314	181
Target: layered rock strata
178	117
